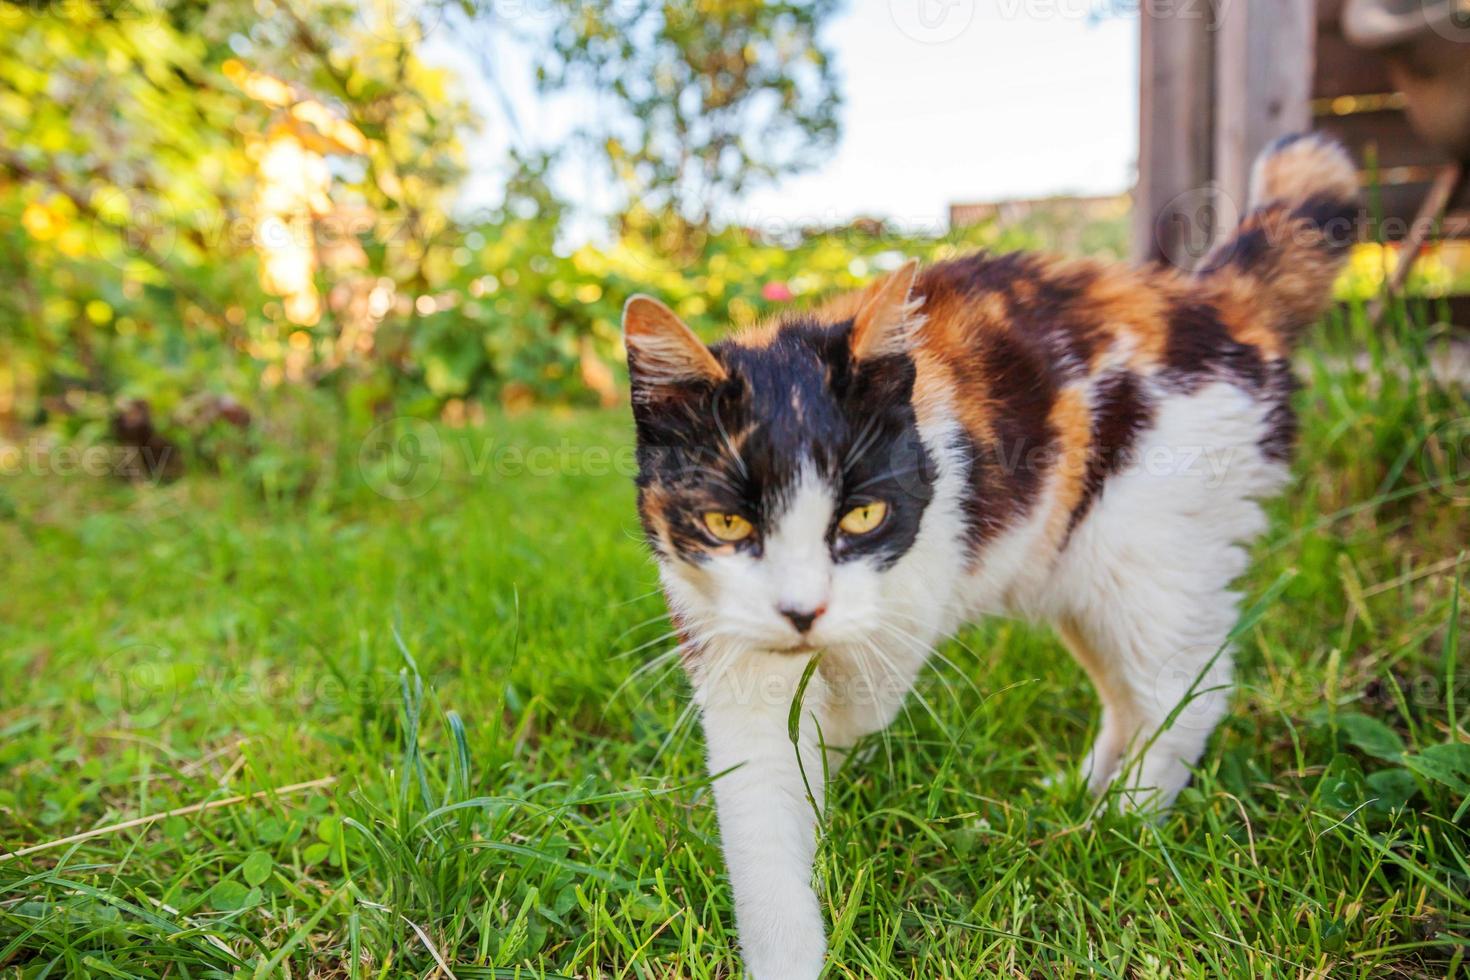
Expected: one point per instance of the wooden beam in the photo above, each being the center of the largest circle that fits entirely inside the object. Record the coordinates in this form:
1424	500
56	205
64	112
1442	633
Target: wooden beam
1383	139
1342	69
1175	130
1264	56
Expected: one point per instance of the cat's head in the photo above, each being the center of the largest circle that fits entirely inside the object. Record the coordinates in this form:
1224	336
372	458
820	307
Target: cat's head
782	479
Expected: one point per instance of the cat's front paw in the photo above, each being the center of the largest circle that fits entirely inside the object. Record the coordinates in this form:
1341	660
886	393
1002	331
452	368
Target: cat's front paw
784	947
788	965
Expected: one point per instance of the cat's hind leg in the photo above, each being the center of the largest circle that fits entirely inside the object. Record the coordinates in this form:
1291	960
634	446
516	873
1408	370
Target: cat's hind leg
1164	682
1116	723
1141	592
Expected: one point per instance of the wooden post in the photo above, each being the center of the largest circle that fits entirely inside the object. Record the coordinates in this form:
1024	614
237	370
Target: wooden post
1264	56
1175	128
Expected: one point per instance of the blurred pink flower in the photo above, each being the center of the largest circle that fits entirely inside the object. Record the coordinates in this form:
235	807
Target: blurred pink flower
776	292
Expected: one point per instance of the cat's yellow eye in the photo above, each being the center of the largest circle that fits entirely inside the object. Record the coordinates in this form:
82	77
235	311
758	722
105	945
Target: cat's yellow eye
728	527
864	517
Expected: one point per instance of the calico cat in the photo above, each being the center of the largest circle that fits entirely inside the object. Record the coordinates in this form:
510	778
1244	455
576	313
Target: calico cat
1065	441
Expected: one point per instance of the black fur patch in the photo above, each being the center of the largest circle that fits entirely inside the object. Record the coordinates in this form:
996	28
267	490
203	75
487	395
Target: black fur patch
1120	413
1335	218
1199	348
1280	437
1248	249
1006	473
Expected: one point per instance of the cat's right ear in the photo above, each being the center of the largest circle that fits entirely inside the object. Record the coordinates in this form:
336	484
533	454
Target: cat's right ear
889	315
662	351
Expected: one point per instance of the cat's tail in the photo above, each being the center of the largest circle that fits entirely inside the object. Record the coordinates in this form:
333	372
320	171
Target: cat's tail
1295	237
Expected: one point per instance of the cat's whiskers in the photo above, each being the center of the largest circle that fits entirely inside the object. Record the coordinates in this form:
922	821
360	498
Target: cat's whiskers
890	670
883	732
638	626
953	638
724	656
918	694
932	651
644	646
867	436
935	652
640	598
661	661
916	646
693	626
679	726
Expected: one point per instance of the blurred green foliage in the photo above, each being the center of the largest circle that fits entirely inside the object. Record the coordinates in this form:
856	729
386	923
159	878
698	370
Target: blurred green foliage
203	201
134	136
218	210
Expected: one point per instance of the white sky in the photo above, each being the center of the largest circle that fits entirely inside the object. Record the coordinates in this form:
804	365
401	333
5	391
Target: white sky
1021	103
945	101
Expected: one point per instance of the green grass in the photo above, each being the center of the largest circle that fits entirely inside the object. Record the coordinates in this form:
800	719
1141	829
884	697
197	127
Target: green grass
504	797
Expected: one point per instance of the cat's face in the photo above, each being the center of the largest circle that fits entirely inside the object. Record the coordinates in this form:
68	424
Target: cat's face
782	478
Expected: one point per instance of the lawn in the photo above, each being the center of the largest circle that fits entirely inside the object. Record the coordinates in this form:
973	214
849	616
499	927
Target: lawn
409	732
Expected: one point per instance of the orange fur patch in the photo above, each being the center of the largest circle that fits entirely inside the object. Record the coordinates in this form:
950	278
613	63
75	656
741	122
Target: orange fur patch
1134	313
1071	418
761	335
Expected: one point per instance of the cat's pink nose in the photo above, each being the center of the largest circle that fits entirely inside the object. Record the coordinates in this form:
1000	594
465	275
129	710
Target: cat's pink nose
802	619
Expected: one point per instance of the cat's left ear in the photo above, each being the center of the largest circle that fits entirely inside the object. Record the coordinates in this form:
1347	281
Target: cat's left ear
888	315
